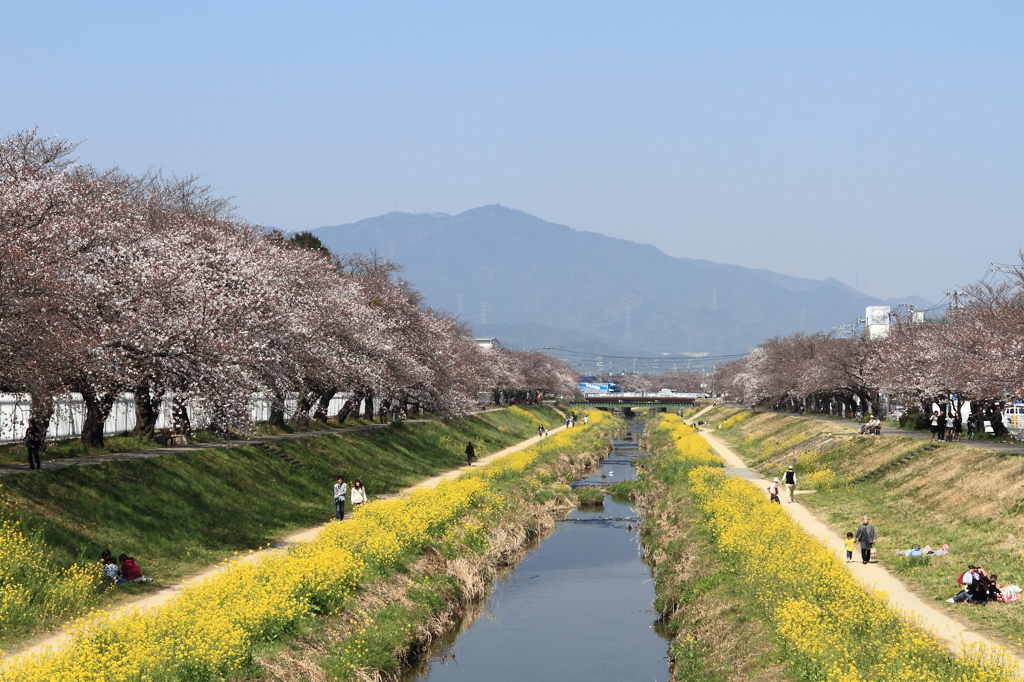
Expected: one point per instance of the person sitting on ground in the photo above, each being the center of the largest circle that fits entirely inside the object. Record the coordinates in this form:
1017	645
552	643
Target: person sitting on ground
963	581
875	426
109	566
130	570
993	591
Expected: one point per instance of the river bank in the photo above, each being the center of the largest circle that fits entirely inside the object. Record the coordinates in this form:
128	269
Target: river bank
183	513
384	539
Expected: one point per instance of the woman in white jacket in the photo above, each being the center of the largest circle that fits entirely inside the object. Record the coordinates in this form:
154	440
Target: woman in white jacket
358	494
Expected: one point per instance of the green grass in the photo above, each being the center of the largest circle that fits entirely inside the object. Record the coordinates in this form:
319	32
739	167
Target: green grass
589	498
183	512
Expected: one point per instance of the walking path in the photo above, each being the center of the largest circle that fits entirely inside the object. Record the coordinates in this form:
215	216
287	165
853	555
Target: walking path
65	462
955	634
162	596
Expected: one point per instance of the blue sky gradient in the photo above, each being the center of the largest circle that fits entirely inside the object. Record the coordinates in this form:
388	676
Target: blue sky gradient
879	143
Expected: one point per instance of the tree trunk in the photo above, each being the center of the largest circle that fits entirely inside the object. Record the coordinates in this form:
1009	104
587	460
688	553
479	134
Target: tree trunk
182	423
276	418
147	411
350	406
97	409
323	402
302	408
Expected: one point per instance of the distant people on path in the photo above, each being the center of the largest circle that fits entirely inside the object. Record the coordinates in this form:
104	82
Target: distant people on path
568	422
35	439
789	478
340	490
358	494
130	570
949	428
470	454
972	425
935	424
773	491
849	547
958	427
866	537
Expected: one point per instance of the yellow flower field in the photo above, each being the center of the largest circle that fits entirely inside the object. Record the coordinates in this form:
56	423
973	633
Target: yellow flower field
211	628
830	626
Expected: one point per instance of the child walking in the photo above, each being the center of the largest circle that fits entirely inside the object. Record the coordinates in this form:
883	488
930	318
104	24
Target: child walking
773	491
849	547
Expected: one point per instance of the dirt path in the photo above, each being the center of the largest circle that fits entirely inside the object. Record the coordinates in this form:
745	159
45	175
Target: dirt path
53	639
871	575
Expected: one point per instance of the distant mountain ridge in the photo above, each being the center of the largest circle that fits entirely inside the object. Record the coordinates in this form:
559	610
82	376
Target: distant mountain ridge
533	283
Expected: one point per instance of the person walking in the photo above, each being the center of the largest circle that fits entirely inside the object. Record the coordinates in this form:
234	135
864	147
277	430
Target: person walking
470	454
35	438
935	424
789	478
865	535
340	489
773	491
358	495
972	425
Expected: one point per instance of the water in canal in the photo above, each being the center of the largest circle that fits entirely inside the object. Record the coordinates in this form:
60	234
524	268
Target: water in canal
578	607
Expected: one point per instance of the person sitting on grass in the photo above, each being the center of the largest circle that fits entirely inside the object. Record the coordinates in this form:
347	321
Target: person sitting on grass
109	566
130	570
978	588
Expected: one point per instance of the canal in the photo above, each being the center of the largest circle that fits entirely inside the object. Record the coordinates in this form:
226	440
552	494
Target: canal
578	607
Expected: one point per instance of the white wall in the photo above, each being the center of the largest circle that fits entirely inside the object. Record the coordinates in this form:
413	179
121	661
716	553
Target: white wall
68	415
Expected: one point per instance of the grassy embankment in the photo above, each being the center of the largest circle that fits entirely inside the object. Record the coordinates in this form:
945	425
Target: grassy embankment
230	624
183	512
825	625
917	493
70	448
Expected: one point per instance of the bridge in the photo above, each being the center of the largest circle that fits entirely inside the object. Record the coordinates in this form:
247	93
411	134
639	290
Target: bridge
619	400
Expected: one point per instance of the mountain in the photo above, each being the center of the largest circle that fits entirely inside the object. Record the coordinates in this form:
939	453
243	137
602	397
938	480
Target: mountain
532	283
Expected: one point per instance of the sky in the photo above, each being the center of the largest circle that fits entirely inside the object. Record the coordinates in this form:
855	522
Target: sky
878	143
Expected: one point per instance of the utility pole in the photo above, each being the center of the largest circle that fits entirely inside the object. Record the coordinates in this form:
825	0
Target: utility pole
954	302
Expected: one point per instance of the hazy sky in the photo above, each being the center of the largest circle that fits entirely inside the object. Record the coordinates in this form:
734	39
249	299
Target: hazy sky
876	142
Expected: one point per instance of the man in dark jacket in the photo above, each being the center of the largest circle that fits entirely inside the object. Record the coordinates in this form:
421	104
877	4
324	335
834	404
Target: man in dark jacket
470	454
866	536
35	437
789	479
